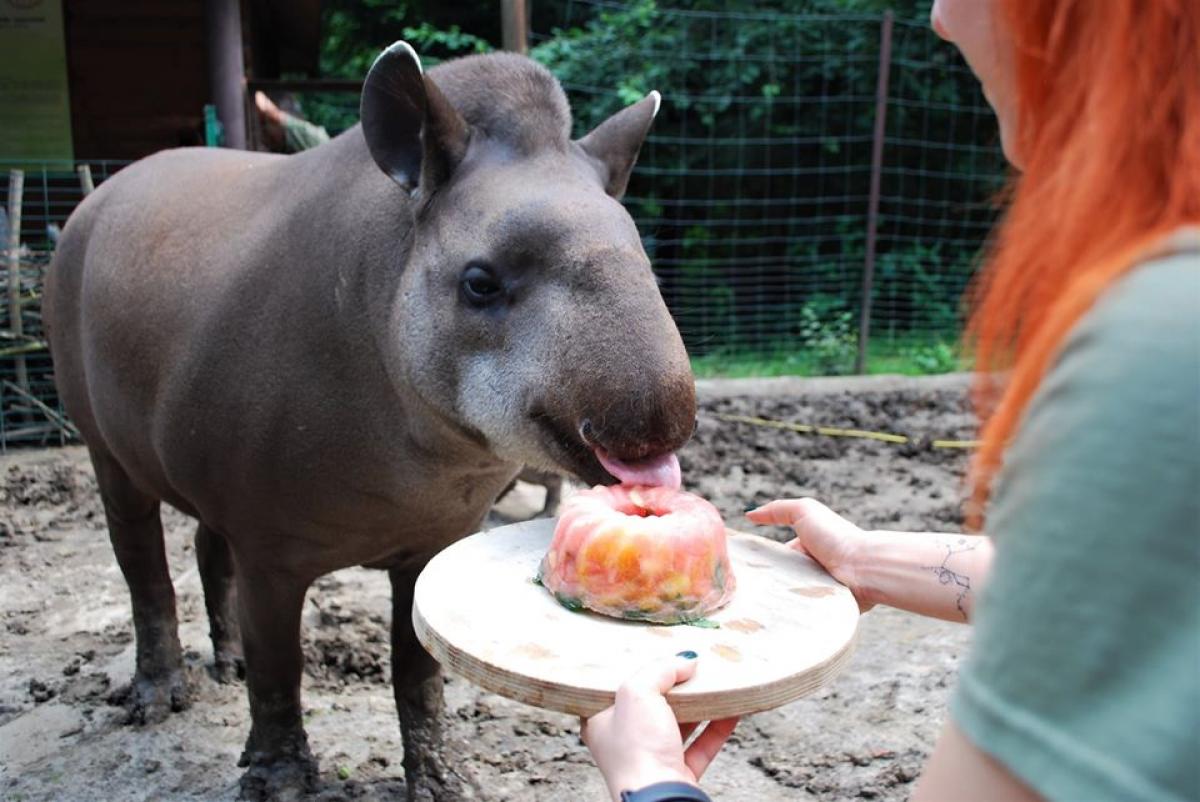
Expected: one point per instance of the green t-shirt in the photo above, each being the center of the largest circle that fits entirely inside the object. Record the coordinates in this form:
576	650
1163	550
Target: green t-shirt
301	134
1084	676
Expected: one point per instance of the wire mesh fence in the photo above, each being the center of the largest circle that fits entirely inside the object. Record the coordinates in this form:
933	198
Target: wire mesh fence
753	189
752	192
35	201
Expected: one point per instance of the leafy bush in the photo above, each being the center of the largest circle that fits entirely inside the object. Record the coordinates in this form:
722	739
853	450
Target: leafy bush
828	341
936	358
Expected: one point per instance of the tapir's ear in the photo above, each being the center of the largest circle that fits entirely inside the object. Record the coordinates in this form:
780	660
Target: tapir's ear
412	131
615	142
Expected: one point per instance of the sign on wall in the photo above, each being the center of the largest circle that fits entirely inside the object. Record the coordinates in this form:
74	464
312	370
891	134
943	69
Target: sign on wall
35	109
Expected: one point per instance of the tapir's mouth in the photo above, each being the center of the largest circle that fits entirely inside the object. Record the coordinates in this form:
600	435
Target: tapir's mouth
596	466
660	471
572	454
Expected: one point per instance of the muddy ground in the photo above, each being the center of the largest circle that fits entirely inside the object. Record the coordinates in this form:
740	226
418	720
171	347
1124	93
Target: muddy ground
66	642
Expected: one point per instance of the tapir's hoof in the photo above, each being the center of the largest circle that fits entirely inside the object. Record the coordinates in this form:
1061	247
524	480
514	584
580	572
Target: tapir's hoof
149	700
282	780
229	668
438	782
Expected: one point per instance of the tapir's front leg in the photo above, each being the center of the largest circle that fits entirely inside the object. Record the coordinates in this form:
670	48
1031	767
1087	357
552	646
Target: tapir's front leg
269	607
417	684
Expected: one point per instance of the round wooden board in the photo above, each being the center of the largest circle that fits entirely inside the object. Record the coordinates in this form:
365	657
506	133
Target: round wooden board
789	629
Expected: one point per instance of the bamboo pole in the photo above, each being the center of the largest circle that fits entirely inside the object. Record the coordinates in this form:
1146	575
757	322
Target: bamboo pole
16	194
85	179
64	427
881	99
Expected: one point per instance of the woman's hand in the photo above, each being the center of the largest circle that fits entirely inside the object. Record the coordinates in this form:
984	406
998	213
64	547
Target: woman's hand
638	742
822	534
938	574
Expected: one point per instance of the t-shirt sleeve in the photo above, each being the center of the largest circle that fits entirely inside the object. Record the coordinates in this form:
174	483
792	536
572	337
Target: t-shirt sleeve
1084	676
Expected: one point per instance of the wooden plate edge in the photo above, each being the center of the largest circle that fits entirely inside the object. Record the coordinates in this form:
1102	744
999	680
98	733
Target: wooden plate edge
583	702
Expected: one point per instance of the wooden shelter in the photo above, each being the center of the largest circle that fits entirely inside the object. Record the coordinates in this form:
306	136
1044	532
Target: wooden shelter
141	71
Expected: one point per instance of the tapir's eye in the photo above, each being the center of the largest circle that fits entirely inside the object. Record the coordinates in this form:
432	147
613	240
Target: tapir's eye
480	286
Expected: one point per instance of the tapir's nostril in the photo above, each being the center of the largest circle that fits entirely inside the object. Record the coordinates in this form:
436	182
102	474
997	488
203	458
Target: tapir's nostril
586	432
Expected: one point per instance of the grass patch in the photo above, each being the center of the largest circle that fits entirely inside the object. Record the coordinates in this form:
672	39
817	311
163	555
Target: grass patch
910	356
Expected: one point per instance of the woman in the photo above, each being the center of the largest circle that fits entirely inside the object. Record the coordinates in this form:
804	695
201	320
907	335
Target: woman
1084	677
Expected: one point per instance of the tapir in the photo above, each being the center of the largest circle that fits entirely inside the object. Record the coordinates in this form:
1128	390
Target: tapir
342	356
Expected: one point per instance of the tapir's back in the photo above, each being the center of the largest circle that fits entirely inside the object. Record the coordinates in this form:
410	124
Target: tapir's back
166	214
151	226
140	262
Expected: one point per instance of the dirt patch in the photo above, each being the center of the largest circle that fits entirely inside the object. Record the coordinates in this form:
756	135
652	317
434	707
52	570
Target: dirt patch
66	646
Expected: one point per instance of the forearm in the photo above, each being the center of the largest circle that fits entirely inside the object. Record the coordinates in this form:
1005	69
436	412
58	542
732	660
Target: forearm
933	574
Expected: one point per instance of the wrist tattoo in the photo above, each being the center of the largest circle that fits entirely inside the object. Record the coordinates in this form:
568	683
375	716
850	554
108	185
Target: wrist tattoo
948	576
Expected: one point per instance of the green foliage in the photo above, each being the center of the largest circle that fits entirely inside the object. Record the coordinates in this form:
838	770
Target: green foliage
828	340
918	281
617	56
436	45
355	31
936	358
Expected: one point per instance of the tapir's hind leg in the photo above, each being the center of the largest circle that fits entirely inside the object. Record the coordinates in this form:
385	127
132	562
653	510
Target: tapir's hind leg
159	685
220	600
417	685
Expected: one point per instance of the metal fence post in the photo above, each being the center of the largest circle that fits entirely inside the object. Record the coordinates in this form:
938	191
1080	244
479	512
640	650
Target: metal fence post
514	19
16	193
881	99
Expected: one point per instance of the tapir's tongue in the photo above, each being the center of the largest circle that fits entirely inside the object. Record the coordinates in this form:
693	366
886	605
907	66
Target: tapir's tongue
656	472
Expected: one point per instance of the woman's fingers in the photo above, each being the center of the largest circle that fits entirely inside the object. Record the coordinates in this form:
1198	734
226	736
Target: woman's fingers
784	512
805	515
707	744
658	678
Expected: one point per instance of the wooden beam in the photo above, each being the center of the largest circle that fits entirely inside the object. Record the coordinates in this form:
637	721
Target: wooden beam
270	85
514	18
226	69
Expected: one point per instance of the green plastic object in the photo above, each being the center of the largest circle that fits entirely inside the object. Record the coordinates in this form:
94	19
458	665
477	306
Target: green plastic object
214	132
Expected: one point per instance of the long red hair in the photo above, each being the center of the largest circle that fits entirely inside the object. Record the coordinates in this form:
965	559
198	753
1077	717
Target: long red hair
1108	131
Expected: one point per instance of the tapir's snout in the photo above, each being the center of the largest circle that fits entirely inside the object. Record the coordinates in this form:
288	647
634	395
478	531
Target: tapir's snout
628	429
647	422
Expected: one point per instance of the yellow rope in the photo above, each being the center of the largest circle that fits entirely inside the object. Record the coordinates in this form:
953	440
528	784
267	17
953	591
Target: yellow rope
831	431
956	443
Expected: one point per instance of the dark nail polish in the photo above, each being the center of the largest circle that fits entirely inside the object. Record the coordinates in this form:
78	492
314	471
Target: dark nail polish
751	506
687	655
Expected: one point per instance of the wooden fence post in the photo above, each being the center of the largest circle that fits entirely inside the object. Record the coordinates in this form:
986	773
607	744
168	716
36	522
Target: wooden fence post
514	18
227	68
881	99
16	193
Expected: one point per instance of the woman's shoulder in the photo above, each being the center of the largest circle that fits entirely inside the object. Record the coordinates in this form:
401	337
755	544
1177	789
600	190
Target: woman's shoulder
1116	414
1141	339
1158	297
